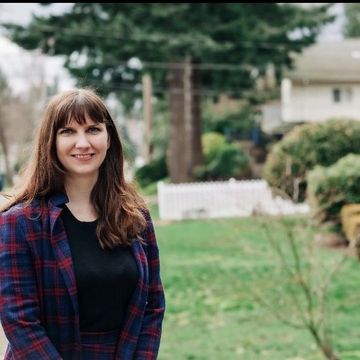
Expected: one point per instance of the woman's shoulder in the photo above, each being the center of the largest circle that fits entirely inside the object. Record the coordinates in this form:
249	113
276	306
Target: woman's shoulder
21	208
146	213
149	221
149	232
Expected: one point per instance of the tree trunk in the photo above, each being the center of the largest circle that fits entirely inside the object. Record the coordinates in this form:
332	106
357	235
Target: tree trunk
184	149
197	158
147	111
176	162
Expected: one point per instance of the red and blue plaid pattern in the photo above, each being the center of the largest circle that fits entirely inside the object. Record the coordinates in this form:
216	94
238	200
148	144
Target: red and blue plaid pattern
38	296
99	345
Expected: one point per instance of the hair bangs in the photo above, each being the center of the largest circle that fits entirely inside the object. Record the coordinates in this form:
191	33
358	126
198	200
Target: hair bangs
79	109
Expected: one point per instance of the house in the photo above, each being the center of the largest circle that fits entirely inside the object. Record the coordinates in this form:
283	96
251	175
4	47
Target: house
324	83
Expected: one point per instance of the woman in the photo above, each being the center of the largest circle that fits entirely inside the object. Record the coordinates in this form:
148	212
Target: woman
80	275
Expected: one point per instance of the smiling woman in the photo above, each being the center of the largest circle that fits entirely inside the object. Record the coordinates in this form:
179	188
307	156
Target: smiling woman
80	264
81	148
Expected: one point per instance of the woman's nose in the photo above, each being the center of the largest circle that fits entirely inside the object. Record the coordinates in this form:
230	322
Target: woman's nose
82	141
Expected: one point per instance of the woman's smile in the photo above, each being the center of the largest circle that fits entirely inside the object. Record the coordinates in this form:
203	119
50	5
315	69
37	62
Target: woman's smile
83	157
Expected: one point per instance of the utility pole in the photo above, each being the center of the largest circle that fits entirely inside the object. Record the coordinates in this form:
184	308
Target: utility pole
147	109
188	116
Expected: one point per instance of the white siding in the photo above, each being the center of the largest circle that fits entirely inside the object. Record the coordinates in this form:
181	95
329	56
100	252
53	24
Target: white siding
271	116
316	103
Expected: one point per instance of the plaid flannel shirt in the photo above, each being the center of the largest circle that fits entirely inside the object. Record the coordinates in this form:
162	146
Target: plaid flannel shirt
38	296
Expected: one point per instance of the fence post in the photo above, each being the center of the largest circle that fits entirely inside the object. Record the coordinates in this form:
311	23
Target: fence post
160	191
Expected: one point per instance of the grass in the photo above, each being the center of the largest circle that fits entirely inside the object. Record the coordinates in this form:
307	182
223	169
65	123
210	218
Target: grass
210	270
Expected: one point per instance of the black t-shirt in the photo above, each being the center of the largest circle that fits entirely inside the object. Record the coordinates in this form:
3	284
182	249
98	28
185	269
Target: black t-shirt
105	279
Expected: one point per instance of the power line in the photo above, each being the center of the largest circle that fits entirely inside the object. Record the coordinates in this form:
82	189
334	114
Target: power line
180	65
161	38
164	37
166	65
136	88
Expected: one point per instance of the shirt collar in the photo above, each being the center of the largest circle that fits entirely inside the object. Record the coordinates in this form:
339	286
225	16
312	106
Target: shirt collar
59	199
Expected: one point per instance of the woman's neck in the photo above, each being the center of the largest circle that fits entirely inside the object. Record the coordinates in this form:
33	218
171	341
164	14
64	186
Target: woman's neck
79	189
79	193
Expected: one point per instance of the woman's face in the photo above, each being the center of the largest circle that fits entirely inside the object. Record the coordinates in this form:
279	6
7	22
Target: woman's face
81	149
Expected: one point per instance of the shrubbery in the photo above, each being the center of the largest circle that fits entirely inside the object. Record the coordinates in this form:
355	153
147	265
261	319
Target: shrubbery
212	143
151	172
305	147
330	188
222	160
235	125
350	221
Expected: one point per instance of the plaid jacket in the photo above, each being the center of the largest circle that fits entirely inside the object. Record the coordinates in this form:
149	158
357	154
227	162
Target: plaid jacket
38	296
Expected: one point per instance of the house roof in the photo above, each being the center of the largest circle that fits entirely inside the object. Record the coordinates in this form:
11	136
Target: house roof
328	62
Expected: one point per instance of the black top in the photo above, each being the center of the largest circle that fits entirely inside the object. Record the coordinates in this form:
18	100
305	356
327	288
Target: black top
105	278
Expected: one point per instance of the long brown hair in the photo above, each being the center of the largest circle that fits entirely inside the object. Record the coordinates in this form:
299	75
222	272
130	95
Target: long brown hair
118	205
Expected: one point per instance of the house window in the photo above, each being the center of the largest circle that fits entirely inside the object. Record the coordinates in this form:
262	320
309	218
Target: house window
342	95
336	95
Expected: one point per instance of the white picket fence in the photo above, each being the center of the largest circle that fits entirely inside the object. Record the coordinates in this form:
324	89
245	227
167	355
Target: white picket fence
222	199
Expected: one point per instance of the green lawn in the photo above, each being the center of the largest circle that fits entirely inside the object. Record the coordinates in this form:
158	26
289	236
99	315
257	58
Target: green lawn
211	270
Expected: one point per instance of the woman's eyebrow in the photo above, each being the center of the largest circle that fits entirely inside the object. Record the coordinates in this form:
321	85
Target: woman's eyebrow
68	126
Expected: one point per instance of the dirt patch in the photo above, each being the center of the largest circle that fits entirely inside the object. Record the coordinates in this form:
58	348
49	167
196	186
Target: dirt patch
162	222
336	242
331	240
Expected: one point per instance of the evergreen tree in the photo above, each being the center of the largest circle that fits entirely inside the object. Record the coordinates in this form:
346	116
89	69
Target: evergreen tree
352	22
188	48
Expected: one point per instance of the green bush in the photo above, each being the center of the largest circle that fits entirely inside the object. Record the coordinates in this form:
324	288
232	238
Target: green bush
227	161
306	146
236	124
151	172
330	188
212	142
230	161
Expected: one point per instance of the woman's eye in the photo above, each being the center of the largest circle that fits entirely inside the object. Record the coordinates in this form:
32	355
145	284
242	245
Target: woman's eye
94	130
65	131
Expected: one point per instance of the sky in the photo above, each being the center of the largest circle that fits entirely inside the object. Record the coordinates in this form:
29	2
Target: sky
333	31
16	62
18	65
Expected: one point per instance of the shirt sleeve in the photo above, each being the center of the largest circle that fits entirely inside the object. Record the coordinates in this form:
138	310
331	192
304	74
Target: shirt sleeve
149	338
19	305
